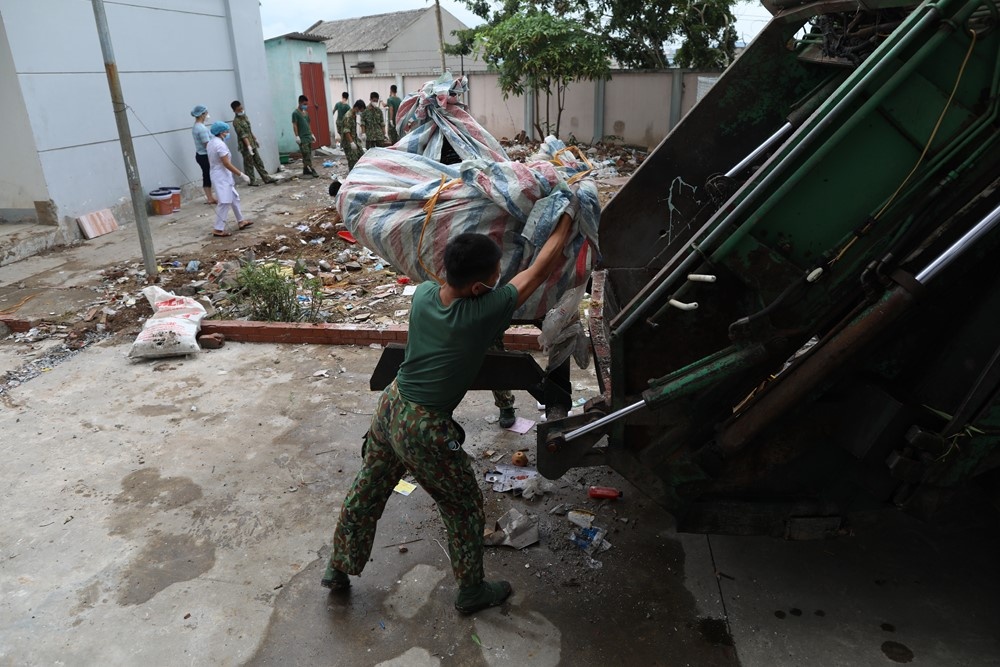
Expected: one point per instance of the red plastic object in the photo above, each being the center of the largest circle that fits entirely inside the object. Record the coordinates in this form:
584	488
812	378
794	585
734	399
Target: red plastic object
403	280
604	493
347	236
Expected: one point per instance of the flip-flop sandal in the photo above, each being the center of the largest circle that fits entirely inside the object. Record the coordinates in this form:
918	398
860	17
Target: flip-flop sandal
244	225
222	233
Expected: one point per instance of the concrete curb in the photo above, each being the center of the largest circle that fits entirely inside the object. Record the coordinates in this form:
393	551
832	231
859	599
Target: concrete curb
244	331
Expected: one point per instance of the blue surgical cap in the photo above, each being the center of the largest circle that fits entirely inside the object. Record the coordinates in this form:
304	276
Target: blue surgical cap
218	127
199	110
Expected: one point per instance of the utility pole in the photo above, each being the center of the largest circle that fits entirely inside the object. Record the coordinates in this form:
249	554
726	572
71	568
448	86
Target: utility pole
437	8
125	137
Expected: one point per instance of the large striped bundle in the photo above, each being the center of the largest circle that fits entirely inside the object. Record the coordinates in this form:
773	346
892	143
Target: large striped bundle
407	206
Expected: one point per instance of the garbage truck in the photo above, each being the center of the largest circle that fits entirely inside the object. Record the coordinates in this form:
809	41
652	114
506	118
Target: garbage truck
796	313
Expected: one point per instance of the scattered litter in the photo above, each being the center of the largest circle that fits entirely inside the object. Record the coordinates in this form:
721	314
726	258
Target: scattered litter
404	488
494	458
321	374
559	510
510	478
514	530
327	163
604	493
581	518
519	459
521	425
347	236
193	266
409	290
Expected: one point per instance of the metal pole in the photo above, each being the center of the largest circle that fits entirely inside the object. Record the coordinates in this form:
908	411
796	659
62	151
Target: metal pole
347	82
437	6
125	137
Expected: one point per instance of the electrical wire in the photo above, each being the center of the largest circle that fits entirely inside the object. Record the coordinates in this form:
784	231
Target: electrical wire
151	134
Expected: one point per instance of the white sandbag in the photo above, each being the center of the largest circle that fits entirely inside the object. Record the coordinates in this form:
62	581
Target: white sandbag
173	328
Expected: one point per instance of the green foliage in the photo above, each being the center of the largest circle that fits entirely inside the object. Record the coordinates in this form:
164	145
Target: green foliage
636	32
263	293
542	53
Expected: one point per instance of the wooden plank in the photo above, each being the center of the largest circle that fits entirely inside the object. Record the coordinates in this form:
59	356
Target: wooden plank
97	223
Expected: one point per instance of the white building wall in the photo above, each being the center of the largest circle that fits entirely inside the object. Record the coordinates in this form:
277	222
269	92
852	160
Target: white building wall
170	55
21	180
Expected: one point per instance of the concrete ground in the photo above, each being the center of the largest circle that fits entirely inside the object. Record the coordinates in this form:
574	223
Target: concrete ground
179	511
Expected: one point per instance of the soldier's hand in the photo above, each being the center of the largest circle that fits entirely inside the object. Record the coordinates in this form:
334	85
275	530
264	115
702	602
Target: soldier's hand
251	149
246	179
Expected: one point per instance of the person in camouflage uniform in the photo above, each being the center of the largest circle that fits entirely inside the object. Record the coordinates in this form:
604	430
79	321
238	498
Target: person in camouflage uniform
373	124
349	135
248	145
451	327
392	106
304	135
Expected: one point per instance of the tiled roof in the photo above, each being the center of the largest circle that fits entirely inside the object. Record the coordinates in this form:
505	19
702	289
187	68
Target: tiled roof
300	36
365	33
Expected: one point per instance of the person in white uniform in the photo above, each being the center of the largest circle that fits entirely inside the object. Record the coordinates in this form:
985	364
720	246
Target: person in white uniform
222	172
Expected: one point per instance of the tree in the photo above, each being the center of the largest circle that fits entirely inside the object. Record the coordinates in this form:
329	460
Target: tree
539	52
637	32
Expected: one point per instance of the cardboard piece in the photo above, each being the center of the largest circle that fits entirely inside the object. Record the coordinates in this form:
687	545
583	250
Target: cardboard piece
513	529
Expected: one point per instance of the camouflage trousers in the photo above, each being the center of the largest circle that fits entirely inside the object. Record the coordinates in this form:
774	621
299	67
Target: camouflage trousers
406	436
307	154
393	134
252	162
353	153
502	398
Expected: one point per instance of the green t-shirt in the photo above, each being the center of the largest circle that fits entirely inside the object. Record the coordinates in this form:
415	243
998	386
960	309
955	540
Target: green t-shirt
301	120
394	102
341	108
446	346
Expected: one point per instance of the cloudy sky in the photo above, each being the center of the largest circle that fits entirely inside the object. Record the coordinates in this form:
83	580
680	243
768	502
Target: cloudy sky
283	16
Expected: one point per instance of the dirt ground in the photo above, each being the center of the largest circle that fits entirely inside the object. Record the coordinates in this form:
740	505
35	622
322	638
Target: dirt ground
357	286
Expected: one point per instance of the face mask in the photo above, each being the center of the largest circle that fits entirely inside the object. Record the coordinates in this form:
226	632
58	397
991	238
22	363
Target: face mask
207	118
495	285
241	113
304	107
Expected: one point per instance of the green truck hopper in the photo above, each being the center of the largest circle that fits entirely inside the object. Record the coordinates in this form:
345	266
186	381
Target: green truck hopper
797	313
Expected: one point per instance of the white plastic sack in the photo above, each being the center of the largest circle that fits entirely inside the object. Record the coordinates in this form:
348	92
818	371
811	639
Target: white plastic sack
562	334
173	328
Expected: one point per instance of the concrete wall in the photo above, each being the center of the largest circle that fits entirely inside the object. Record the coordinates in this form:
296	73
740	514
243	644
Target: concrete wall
21	180
283	58
638	107
163	75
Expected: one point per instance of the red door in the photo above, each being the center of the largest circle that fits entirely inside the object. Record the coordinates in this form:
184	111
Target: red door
314	87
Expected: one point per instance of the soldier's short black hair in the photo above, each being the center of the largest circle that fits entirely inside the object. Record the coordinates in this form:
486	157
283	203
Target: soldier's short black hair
303	98
373	96
392	88
360	104
235	105
344	95
470	258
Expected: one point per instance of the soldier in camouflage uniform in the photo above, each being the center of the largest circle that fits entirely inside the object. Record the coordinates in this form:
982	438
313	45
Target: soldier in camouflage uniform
373	124
349	135
248	145
451	326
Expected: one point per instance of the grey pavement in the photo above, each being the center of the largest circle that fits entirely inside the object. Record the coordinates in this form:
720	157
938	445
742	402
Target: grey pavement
179	511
